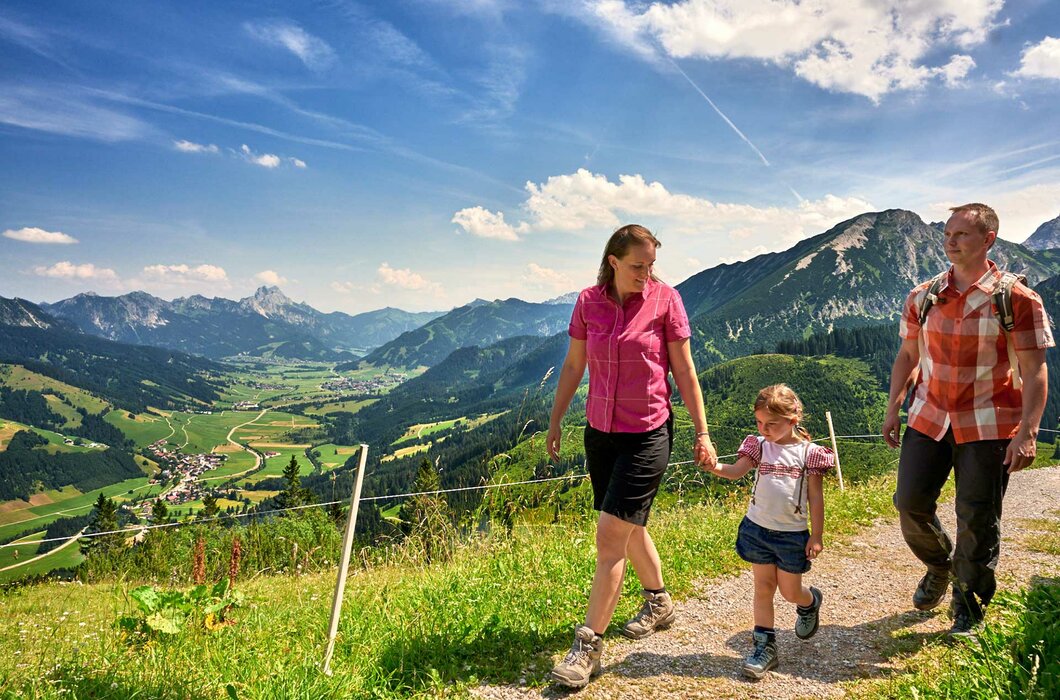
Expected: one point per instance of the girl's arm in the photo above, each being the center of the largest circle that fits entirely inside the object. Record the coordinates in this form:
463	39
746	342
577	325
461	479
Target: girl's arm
683	370
570	376
815	496
735	470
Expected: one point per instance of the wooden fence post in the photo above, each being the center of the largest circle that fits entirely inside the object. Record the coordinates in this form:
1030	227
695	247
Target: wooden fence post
835	450
344	563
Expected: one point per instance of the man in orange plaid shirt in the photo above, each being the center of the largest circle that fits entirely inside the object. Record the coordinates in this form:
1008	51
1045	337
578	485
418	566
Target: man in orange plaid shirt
965	415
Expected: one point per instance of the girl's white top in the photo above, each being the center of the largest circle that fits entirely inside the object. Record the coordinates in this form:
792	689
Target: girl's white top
779	498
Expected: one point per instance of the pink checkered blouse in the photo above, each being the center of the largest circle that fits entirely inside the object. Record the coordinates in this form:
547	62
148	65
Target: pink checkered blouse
625	347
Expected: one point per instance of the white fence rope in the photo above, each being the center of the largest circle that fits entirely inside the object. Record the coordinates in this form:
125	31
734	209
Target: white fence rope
398	496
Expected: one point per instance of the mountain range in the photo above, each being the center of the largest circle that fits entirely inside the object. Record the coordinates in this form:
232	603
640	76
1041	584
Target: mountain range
266	323
856	273
1045	236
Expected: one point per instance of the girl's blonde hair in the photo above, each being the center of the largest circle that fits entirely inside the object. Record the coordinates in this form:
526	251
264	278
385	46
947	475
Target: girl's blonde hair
781	400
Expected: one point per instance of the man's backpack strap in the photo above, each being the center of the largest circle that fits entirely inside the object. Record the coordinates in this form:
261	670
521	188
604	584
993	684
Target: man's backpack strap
1002	302
931	297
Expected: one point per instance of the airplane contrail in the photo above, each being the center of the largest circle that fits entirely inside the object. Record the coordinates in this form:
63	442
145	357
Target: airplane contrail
721	114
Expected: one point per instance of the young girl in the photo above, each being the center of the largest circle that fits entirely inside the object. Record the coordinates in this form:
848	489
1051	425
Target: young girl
773	536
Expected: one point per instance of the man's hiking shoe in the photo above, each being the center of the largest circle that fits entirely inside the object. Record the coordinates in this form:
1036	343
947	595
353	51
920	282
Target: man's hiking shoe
807	619
657	613
582	662
763	658
966	623
930	591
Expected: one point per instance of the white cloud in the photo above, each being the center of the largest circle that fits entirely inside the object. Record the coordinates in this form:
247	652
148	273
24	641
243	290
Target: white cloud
270	277
744	255
1041	60
343	287
314	52
67	112
584	201
266	160
486	224
85	271
186	274
954	72
297	162
1020	211
864	47
547	278
405	278
192	147
39	235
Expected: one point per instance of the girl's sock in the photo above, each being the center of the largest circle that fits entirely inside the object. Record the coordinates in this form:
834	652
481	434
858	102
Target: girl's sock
655	591
769	631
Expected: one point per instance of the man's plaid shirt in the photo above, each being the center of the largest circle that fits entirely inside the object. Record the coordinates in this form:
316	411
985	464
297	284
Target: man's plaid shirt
966	381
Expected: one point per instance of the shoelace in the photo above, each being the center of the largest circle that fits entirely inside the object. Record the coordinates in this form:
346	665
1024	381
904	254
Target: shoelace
760	651
577	651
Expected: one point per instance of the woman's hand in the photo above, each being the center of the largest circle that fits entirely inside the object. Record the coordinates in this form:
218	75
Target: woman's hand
552	442
814	547
703	452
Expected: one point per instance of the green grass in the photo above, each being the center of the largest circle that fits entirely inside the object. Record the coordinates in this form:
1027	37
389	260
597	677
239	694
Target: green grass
350	406
1046	536
1016	656
18	377
143	429
68	502
402	633
66	558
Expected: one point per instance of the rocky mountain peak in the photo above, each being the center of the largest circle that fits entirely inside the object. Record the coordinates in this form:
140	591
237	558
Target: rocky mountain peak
1045	236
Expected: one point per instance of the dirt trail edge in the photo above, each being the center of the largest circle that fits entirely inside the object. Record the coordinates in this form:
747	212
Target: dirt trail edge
867	585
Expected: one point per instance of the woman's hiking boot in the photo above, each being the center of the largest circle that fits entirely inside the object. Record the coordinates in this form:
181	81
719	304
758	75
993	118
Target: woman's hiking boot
582	662
809	618
764	657
931	590
657	613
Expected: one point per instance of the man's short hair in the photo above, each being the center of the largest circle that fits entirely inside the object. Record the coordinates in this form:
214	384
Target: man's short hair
985	216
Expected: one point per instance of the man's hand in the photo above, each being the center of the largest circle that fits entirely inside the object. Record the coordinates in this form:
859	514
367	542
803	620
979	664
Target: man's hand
1021	451
892	429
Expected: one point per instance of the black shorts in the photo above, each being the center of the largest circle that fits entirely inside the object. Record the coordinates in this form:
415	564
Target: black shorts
627	468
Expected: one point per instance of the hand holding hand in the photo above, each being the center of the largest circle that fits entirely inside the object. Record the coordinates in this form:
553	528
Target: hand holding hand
703	452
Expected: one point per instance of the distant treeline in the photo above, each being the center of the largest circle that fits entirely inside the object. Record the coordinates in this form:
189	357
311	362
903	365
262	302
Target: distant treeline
877	345
31	408
132	377
25	469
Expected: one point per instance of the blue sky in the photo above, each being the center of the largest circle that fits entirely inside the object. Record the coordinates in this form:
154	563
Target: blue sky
421	153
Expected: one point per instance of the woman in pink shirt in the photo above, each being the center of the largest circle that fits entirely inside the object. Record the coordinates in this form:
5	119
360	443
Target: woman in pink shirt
631	330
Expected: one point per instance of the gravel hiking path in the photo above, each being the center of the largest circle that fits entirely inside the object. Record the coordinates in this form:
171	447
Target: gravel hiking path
867	584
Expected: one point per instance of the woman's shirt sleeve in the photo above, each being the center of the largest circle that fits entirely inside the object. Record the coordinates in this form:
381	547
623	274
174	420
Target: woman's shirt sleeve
676	326
577	328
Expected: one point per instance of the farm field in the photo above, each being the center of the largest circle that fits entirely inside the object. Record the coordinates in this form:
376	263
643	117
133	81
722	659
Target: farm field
17	516
142	428
65	558
349	406
18	377
333	456
421	430
56	442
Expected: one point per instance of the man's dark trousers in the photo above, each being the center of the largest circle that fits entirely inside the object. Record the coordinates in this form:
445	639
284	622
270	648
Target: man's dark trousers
981	479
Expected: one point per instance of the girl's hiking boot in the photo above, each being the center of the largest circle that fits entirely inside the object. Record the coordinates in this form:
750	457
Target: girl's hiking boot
582	662
809	618
657	613
931	590
764	657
